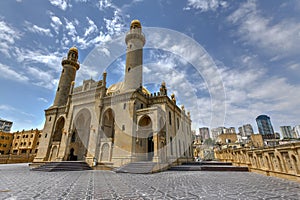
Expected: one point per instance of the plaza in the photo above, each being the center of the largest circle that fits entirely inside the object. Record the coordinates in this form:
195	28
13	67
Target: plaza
18	182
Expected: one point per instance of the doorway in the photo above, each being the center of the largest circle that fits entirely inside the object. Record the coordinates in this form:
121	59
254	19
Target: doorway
150	147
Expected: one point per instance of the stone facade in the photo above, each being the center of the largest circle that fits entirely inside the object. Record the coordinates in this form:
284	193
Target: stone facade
5	142
21	146
281	161
227	138
26	142
114	125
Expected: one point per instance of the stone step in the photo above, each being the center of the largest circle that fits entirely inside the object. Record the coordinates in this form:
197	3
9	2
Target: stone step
63	166
208	163
208	168
137	168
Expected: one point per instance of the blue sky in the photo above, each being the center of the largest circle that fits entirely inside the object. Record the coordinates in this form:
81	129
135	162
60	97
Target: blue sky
254	46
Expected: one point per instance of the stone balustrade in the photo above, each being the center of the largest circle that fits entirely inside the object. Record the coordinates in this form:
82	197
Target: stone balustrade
281	161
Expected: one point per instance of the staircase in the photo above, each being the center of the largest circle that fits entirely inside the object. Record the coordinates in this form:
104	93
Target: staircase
208	166
63	166
137	168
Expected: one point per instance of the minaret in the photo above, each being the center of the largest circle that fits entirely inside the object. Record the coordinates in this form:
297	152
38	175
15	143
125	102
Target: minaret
70	66
135	40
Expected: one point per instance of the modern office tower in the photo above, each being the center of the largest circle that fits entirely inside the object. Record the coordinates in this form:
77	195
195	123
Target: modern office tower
5	125
230	130
296	131
215	132
265	127
246	130
204	133
286	131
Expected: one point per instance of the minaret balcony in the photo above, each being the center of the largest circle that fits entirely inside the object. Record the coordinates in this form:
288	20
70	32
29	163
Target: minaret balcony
66	61
132	35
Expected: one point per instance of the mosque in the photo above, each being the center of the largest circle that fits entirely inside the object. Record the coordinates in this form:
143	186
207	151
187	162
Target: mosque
117	124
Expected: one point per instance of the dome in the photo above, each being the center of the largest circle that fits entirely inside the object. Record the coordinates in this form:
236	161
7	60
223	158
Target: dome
117	87
135	24
114	88
74	49
145	91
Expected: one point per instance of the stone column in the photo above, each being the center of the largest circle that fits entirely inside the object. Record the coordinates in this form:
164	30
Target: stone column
156	157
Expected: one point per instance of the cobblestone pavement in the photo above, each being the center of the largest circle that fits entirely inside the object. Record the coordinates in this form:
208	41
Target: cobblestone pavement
18	182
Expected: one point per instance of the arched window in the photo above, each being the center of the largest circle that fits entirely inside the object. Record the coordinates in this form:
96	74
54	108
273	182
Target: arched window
171	145
73	138
170	118
59	129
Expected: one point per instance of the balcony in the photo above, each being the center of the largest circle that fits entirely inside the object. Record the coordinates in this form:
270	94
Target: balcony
70	62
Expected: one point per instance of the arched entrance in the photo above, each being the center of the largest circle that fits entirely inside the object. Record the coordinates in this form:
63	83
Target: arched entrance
145	134
108	135
72	156
108	125
150	147
79	140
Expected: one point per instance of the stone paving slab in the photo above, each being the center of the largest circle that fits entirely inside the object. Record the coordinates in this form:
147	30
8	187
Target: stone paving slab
18	182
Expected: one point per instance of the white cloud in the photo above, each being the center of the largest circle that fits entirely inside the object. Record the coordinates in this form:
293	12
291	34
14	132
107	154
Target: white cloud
51	60
62	4
103	4
8	37
7	72
42	99
279	38
7	108
91	29
56	23
36	29
251	92
206	5
114	25
42	78
71	29
294	66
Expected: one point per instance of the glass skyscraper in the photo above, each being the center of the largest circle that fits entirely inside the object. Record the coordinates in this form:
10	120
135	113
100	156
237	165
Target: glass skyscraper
265	127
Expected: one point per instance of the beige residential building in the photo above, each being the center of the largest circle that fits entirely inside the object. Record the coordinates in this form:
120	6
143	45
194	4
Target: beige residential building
117	124
227	138
5	142
25	142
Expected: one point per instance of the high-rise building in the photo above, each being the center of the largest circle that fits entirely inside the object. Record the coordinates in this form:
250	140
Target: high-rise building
5	125
286	131
230	130
265	127
296	131
204	133
215	132
246	130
